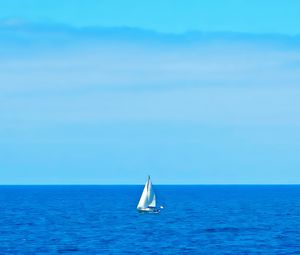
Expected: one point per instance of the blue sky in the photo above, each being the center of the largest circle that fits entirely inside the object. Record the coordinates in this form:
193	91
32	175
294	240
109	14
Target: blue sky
106	92
253	16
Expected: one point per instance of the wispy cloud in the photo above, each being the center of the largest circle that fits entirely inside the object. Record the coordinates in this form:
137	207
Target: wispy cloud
127	74
56	56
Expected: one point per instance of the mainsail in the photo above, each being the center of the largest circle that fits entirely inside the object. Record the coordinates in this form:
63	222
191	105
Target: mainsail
148	198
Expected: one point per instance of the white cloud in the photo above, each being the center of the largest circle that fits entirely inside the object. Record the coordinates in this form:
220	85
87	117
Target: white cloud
107	75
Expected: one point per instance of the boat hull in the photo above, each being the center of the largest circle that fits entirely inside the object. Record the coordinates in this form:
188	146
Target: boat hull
148	210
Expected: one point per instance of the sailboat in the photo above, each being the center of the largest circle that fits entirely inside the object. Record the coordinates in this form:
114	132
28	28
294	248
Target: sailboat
147	201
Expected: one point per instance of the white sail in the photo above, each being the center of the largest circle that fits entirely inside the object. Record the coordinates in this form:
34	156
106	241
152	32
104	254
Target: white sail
151	196
148	198
144	197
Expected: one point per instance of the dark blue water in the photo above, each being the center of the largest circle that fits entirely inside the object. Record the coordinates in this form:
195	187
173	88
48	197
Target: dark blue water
196	220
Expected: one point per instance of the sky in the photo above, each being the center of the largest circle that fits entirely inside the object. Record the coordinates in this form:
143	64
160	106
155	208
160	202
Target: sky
255	16
190	92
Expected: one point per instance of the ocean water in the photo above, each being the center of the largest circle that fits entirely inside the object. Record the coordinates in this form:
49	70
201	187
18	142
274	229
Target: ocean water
104	220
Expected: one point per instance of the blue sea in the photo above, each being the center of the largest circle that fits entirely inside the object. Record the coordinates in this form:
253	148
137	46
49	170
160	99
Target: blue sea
196	220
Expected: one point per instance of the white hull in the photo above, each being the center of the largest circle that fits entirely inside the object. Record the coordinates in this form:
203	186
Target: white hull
148	210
